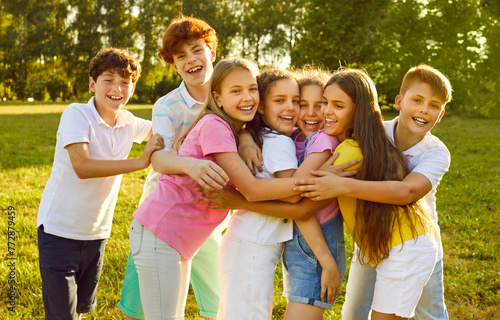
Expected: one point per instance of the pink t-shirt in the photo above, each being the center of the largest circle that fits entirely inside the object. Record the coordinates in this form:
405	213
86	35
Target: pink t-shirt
299	142
319	143
174	211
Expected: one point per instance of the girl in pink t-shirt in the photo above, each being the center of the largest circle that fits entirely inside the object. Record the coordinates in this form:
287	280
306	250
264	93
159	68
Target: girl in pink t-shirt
173	222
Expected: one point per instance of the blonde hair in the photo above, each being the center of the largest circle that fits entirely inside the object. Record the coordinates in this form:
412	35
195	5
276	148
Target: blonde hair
309	75
223	68
427	74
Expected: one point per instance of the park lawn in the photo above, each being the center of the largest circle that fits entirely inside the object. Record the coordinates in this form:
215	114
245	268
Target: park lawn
468	207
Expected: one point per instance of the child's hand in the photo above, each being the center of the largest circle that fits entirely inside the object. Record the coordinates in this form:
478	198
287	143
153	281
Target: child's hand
206	173
339	168
327	186
227	198
250	152
155	143
330	283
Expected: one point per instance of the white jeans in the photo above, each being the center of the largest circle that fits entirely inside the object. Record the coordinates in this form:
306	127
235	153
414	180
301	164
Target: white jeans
247	278
163	274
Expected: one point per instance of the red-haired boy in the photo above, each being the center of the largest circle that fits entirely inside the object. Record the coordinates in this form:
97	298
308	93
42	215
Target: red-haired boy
189	44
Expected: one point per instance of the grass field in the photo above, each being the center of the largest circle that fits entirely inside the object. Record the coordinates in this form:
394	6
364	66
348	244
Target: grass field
468	208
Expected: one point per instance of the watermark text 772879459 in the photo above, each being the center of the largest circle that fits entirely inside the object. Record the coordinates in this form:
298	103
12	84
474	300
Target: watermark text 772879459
11	259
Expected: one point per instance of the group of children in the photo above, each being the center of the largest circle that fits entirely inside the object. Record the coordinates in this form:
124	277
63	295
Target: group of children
261	143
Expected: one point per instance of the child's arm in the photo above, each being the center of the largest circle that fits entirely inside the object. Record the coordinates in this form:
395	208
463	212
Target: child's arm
86	167
328	185
302	213
330	276
267	189
230	198
205	172
254	189
167	122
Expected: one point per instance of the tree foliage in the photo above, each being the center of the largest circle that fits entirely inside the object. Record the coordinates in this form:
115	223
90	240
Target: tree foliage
45	46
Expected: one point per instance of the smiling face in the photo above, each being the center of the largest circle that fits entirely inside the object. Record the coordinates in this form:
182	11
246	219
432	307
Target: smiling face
338	111
280	107
419	109
311	116
112	92
193	62
238	96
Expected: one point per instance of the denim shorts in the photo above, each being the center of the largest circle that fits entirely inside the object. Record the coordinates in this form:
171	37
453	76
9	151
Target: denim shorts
302	271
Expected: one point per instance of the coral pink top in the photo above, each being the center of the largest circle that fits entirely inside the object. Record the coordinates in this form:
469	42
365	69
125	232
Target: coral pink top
174	210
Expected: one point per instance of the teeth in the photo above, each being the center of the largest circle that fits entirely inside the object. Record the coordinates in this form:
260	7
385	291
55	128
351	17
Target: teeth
114	97
330	120
420	120
312	123
286	117
194	69
246	108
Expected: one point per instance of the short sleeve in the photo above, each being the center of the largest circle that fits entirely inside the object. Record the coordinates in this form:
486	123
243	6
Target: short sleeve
164	124
321	142
74	127
215	136
348	150
434	165
278	154
142	129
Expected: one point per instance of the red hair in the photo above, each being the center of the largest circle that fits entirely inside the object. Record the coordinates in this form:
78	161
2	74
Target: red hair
184	30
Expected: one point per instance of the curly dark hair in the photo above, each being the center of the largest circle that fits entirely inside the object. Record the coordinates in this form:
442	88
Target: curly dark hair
115	60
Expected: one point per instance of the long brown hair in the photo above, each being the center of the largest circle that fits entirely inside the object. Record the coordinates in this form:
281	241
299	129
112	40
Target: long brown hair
376	222
221	70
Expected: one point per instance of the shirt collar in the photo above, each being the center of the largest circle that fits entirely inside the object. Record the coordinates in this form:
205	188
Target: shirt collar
121	121
190	101
417	149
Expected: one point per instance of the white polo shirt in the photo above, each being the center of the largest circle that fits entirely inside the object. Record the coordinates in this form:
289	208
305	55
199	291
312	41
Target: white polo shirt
82	209
431	158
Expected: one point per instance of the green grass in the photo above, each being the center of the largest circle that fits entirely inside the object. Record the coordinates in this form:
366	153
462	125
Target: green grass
468	207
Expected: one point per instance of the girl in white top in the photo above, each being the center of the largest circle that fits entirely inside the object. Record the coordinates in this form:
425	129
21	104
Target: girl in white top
253	243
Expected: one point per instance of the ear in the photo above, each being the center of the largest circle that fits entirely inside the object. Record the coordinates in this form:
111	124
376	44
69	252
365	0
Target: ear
217	99
175	66
212	55
441	115
91	84
260	108
398	102
133	89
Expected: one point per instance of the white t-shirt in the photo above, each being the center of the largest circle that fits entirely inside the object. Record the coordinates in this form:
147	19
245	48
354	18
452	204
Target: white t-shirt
278	154
82	209
431	158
